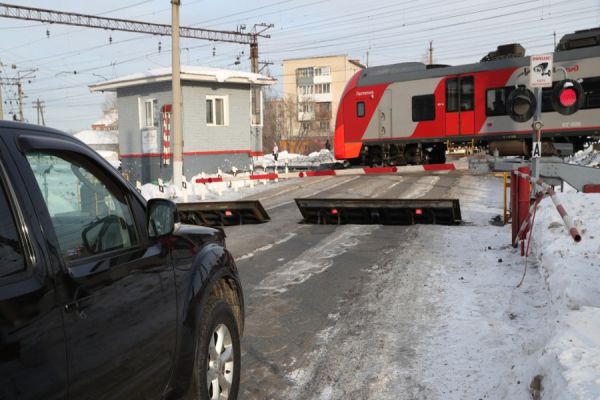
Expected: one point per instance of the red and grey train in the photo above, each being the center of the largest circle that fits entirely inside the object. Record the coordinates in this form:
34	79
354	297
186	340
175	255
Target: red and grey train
406	113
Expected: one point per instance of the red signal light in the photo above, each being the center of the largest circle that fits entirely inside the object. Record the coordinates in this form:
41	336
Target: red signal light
418	211
568	97
334	211
228	213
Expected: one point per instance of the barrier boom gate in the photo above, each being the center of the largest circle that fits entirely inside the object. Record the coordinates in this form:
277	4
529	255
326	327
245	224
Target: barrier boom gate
380	211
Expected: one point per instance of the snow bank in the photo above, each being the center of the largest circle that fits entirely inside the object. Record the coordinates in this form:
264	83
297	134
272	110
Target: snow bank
570	361
314	159
91	137
588	157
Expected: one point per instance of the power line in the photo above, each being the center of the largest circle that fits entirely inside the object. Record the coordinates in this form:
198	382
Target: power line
68	18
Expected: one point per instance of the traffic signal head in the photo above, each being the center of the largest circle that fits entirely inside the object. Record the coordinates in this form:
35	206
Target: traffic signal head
567	97
520	104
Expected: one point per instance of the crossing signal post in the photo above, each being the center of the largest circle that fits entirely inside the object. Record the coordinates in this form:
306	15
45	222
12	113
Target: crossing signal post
522	104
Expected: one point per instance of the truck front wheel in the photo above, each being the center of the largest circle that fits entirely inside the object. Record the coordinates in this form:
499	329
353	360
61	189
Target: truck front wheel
217	365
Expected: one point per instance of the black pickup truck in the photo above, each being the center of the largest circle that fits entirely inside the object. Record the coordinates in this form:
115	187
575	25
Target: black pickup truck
102	293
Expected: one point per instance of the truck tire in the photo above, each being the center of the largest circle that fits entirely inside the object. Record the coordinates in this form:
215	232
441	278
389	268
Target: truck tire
217	364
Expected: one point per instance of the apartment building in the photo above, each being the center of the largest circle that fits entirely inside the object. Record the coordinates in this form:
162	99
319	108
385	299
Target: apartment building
312	88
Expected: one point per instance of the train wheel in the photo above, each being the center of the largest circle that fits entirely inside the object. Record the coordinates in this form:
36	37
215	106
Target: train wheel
414	154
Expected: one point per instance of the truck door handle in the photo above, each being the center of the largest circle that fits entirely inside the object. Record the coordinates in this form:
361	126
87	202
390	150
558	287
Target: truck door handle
74	305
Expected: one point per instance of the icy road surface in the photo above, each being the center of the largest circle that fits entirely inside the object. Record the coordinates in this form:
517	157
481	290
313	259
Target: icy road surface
387	312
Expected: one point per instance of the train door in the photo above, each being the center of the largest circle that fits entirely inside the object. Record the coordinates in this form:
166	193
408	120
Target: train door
384	113
460	106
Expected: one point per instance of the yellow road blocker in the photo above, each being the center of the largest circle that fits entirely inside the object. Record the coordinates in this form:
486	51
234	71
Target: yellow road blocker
380	211
222	213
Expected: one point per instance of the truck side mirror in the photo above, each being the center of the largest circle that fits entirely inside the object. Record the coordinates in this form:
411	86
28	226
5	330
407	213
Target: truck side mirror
161	217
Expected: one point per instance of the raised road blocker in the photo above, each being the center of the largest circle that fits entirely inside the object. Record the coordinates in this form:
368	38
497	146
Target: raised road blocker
379	211
222	213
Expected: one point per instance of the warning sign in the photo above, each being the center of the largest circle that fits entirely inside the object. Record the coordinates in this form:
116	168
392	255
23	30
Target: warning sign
541	71
536	151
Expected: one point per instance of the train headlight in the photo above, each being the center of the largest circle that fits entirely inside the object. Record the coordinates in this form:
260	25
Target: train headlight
567	97
520	104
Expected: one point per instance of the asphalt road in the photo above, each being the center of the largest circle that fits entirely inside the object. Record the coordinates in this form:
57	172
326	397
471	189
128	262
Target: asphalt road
323	302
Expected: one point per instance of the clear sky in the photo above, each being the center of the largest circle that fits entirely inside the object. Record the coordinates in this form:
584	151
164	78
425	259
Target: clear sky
377	31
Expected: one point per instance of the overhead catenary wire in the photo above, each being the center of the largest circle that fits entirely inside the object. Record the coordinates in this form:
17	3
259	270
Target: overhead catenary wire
402	44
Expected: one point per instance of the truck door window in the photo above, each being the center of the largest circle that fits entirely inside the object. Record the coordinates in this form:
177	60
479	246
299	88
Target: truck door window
12	259
88	217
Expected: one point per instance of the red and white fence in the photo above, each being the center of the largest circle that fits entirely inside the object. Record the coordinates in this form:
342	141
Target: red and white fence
522	220
330	172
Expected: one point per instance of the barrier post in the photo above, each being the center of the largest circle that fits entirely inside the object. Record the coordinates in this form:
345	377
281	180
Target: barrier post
514	212
523	198
519	201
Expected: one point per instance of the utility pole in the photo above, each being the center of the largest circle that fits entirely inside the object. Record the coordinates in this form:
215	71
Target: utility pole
20	97
254	45
430	52
39	106
176	88
20	94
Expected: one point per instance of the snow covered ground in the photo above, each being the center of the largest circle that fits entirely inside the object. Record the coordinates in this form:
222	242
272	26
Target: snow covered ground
499	341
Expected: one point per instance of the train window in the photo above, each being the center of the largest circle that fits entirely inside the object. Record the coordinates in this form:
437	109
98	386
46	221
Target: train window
495	101
467	90
360	109
423	108
452	95
591	88
547	99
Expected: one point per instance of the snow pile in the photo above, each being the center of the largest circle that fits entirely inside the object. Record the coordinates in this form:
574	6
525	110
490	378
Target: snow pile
111	156
570	360
91	137
100	138
215	191
588	157
110	117
188	72
314	159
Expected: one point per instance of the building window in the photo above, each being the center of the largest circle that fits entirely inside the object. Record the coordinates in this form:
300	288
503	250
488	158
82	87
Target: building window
304	72
306	126
217	111
304	90
423	108
323	110
360	109
306	107
256	100
324	125
322	71
149	113
322	88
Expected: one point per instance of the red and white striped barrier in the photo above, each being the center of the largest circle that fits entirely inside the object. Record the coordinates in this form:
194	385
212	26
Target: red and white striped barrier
330	172
568	221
